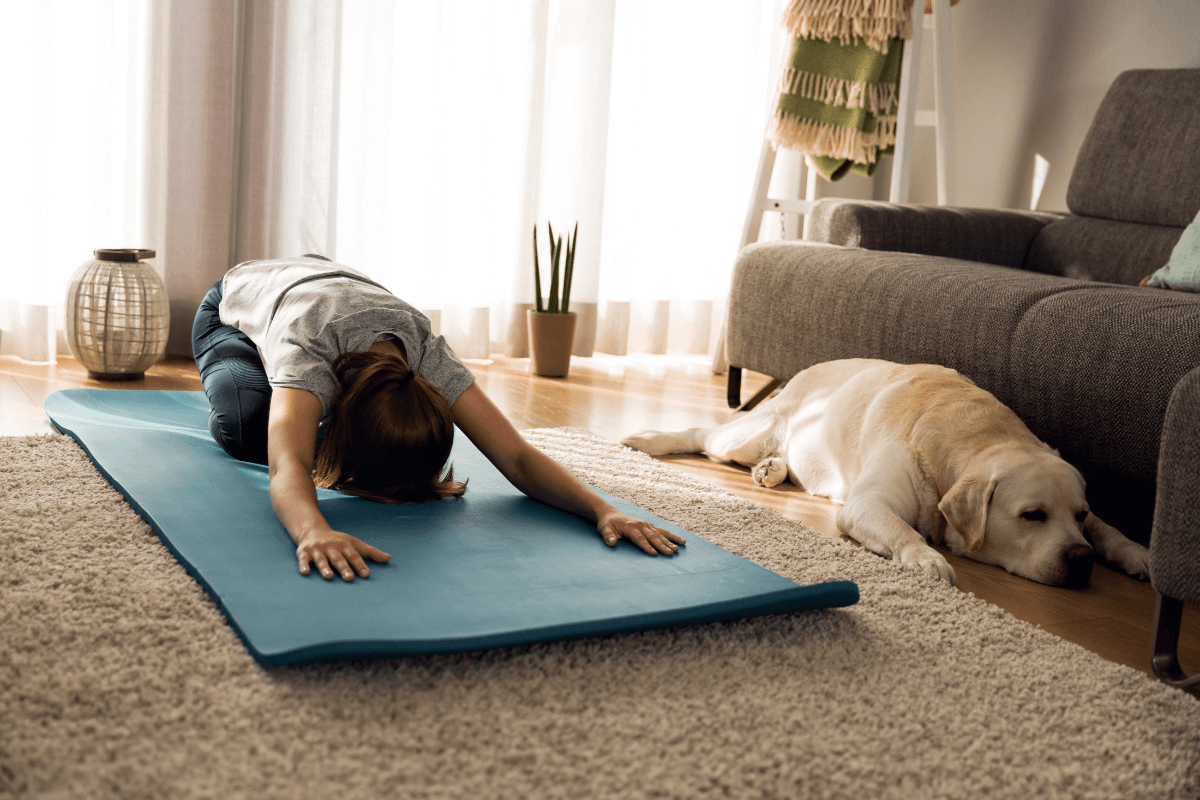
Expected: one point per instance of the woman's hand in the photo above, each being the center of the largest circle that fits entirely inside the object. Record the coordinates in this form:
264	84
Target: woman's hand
291	448
542	478
332	551
650	538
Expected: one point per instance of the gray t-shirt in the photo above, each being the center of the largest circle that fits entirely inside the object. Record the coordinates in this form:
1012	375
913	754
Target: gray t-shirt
302	313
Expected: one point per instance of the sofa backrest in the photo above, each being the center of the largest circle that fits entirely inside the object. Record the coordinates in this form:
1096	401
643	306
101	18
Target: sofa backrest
1095	249
1140	161
1136	182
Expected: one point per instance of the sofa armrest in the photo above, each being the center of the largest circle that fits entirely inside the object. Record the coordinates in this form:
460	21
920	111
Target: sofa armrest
992	236
1175	537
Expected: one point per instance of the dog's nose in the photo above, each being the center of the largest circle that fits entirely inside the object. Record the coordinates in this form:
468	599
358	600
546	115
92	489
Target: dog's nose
1079	559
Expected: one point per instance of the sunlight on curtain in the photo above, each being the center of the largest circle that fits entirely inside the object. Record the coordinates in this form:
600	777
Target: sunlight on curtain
463	122
289	126
75	94
574	152
436	136
417	141
689	100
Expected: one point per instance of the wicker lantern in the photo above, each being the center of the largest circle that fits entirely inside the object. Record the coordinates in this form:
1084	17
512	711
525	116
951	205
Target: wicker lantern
117	315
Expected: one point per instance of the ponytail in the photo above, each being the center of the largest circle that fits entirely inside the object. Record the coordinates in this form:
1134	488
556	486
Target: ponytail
389	433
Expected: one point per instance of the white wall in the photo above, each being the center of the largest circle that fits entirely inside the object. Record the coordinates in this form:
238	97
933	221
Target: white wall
1028	76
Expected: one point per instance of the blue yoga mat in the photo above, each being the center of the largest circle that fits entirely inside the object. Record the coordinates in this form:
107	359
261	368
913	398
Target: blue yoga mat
490	569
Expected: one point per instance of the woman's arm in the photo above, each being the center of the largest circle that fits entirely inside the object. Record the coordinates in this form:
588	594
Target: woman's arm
291	449
542	478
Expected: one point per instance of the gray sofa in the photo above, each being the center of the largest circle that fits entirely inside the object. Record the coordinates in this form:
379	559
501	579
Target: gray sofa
1043	310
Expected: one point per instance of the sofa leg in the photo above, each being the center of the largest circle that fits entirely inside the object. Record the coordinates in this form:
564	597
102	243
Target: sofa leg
733	386
733	390
761	394
1164	651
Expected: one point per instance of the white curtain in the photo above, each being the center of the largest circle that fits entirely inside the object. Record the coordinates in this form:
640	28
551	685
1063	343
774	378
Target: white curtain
690	93
464	123
418	141
121	132
442	141
74	80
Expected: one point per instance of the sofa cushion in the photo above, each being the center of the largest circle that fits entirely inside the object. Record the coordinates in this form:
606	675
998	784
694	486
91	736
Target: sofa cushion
1093	368
1138	161
1096	249
795	304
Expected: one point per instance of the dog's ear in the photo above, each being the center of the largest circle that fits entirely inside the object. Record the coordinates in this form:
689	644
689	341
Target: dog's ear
965	507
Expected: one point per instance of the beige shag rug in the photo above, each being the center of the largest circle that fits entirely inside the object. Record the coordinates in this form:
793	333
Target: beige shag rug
120	679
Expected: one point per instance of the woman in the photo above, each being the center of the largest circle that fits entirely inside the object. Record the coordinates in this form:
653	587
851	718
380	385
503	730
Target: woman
305	360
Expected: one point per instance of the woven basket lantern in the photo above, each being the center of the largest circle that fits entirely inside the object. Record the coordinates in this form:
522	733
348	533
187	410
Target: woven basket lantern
117	315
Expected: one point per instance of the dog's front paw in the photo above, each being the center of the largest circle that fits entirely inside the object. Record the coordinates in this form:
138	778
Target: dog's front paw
654	443
1110	544
770	472
1134	560
928	560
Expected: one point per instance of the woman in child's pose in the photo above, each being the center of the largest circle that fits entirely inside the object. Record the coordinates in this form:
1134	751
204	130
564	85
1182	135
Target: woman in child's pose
306	360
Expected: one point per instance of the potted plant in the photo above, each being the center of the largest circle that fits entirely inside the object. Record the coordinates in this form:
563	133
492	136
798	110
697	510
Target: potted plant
552	327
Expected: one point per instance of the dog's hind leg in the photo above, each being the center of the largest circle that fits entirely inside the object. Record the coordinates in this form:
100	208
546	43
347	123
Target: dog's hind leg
660	443
770	472
751	440
747	440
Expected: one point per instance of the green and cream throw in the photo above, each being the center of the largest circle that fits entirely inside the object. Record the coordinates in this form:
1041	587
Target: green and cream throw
839	94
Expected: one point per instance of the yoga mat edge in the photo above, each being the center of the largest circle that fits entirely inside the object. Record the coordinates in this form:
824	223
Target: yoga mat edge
732	597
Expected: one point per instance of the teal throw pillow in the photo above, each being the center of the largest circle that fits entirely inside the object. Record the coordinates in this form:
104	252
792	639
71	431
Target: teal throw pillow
1182	272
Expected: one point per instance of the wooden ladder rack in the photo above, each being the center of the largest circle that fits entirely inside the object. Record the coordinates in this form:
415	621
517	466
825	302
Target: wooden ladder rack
908	117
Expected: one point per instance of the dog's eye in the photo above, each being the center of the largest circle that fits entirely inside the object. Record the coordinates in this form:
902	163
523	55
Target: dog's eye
1034	516
1081	516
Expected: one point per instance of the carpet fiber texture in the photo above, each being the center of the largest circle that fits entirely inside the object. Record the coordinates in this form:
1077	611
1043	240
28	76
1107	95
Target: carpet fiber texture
119	678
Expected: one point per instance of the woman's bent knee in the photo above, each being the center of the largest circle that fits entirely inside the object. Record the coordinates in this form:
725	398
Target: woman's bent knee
245	442
234	382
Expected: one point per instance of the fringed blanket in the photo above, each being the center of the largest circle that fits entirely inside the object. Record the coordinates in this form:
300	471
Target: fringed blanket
838	104
839	96
872	21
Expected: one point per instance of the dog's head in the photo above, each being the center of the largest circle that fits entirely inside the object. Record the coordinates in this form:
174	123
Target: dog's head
1024	510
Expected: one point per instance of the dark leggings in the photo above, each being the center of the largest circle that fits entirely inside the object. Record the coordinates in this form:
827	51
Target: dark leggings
234	380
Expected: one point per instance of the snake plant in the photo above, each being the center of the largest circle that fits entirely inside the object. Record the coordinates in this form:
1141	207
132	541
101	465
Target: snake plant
557	302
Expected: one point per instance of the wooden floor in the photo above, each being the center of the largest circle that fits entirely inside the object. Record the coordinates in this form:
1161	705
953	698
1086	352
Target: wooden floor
614	396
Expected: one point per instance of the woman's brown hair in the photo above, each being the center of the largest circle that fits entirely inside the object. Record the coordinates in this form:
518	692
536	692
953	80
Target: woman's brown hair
389	434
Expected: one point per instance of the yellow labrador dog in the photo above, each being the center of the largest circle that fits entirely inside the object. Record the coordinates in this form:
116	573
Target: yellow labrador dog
917	452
